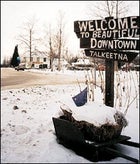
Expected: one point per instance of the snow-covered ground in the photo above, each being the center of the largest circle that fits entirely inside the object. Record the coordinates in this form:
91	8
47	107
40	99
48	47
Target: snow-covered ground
27	130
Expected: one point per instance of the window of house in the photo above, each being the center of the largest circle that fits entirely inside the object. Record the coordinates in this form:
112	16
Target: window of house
44	59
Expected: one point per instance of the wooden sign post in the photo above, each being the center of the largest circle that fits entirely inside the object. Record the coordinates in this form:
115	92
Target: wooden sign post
109	83
105	39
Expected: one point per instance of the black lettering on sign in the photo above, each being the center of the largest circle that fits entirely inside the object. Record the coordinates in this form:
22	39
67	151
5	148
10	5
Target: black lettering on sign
116	44
132	22
112	55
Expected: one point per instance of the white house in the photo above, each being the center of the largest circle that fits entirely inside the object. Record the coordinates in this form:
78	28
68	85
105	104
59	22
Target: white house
42	61
37	61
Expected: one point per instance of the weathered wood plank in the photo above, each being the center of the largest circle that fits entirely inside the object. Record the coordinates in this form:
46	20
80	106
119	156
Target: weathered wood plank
108	23
115	44
110	34
112	55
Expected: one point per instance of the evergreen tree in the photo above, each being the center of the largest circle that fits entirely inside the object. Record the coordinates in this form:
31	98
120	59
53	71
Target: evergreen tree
15	59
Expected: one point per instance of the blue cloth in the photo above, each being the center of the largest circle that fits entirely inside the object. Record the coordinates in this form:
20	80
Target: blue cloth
81	98
18	60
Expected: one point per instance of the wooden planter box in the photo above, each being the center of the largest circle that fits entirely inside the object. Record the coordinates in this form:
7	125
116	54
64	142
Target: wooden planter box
91	132
69	135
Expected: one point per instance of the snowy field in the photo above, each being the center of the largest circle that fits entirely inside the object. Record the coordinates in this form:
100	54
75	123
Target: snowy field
27	131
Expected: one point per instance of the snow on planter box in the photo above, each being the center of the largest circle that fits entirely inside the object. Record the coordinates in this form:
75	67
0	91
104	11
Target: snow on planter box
97	122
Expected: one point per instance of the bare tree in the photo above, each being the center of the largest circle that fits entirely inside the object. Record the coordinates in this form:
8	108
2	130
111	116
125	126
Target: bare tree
102	9
59	38
55	41
51	54
49	44
28	39
51	47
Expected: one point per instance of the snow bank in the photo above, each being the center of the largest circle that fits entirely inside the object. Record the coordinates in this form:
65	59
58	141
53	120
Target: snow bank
27	131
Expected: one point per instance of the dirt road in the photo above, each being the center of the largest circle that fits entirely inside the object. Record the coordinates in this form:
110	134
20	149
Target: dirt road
11	79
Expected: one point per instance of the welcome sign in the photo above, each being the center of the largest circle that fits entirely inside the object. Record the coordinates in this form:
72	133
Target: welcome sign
110	39
110	34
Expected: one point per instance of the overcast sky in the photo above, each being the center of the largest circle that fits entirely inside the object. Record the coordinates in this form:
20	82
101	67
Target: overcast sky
15	13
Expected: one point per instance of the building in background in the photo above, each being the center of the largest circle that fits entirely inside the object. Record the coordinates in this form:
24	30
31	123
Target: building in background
42	61
37	61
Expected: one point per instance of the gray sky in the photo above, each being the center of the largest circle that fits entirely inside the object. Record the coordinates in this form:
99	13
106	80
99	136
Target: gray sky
15	13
